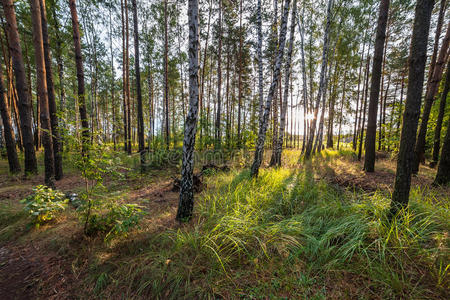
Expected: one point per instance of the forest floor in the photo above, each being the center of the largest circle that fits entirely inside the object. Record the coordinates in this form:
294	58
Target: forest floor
309	230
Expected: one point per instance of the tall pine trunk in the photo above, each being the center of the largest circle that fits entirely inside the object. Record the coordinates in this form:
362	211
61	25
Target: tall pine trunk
432	90
218	133
369	159
22	88
140	112
80	76
49	160
438	128
10	140
166	76
363	121
56	137
416	61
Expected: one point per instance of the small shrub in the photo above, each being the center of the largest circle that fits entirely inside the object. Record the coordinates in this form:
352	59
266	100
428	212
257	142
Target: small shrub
44	204
117	221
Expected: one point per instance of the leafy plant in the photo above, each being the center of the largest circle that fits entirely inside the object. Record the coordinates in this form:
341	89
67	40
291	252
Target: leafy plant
118	221
44	204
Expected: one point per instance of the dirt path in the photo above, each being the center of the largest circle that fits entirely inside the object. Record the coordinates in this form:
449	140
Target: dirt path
25	273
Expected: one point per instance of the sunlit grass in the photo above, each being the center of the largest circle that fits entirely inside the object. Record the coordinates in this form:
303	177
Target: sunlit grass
287	233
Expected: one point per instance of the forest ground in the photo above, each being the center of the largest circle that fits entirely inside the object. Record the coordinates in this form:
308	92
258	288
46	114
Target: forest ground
312	230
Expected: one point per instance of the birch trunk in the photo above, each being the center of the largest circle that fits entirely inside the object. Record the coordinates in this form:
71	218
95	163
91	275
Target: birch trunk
279	146
309	144
186	204
276	77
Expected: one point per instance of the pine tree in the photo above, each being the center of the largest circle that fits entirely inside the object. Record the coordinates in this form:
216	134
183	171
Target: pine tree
22	88
369	159
416	64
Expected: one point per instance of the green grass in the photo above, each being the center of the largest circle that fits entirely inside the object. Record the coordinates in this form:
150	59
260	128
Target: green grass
283	235
287	235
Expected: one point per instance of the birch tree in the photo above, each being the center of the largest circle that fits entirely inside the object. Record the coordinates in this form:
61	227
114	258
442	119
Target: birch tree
186	203
309	144
276	77
279	145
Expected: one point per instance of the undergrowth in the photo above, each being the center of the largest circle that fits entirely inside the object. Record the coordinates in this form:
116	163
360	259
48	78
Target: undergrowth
287	234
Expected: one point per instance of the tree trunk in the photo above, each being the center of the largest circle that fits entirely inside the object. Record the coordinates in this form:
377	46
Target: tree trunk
56	137
432	90
312	129
276	78
49	160
443	172
186	204
260	63
355	129
279	146
140	112
80	76
417	59
437	130
166	76
127	77
366	92
10	140
304	87
124	80
340	110
24	102
369	159
218	133
59	61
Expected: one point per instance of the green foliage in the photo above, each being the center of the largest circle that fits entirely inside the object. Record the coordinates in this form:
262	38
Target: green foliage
44	204
117	221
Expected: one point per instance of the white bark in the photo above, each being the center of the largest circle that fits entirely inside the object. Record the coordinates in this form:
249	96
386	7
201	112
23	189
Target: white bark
186	203
312	130
276	77
279	145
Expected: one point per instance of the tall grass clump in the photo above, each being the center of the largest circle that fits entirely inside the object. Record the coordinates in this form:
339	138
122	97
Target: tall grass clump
290	233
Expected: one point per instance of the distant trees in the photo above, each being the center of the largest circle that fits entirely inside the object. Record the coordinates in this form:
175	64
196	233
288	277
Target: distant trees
416	65
321	91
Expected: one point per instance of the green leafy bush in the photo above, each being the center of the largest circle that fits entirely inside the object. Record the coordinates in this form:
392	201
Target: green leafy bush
118	221
44	204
